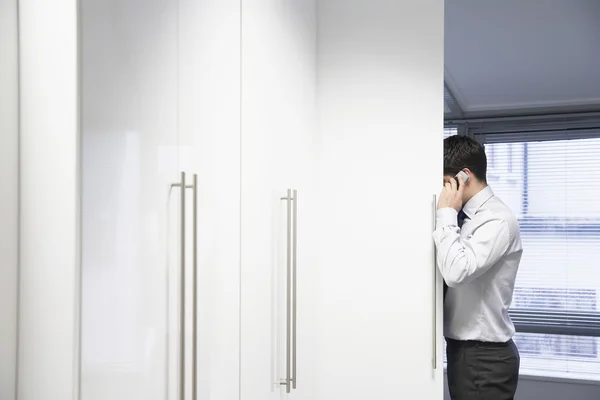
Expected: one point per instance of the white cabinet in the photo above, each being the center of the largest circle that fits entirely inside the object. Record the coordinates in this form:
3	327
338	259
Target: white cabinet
130	213
278	127
160	97
48	201
380	74
209	143
333	293
368	296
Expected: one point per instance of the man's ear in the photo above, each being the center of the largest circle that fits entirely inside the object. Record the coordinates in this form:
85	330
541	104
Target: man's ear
469	173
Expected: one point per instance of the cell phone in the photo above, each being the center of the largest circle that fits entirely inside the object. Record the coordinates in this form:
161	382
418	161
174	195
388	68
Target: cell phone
464	175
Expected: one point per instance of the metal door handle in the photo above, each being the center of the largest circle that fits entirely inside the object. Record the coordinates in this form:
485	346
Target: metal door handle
182	185
194	186
291	290
288	360
434	322
295	287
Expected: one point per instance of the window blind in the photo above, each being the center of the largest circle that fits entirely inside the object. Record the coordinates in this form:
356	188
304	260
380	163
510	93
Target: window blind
550	178
450	131
553	185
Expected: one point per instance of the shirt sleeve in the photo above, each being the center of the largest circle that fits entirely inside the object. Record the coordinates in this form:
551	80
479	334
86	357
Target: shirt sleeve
462	260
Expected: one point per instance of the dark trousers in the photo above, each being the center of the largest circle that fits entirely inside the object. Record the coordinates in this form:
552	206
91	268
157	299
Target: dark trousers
482	371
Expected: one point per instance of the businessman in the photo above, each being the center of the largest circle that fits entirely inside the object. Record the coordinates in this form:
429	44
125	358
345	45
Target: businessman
478	253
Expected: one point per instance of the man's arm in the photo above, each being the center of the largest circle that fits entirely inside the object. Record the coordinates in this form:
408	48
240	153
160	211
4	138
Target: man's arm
464	260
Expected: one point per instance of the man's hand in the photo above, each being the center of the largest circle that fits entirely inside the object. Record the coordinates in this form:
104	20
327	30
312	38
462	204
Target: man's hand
452	194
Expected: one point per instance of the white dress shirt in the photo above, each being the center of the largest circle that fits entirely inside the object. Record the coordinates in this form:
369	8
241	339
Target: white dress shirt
479	263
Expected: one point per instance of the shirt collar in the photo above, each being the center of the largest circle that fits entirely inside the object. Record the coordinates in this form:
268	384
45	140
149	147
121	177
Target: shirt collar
477	201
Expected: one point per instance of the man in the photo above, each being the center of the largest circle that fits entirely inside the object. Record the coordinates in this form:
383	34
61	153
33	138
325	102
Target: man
478	253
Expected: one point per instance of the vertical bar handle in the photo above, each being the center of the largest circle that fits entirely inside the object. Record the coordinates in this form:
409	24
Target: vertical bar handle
288	330
182	293
288	363
182	185
194	186
295	288
434	273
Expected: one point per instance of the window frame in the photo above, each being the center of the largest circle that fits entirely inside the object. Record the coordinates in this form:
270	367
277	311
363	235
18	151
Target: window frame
535	129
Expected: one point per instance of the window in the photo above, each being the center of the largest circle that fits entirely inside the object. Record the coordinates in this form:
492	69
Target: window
554	188
535	349
450	131
553	299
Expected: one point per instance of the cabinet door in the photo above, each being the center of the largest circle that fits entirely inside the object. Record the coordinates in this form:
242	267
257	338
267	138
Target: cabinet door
278	128
297	136
260	350
130	214
209	132
380	97
260	203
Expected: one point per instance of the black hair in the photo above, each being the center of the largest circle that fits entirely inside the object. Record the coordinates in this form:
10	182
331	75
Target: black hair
464	152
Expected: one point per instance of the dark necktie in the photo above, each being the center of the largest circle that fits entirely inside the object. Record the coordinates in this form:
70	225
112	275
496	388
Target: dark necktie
461	220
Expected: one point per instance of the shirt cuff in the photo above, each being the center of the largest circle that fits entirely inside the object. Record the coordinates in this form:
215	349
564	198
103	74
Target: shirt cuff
447	216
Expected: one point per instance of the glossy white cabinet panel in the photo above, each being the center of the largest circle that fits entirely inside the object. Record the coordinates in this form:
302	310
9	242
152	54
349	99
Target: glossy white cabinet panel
381	118
278	128
252	99
161	96
49	201
130	214
209	140
9	200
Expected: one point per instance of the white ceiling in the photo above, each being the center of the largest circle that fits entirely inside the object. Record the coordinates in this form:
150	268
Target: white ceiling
518	56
